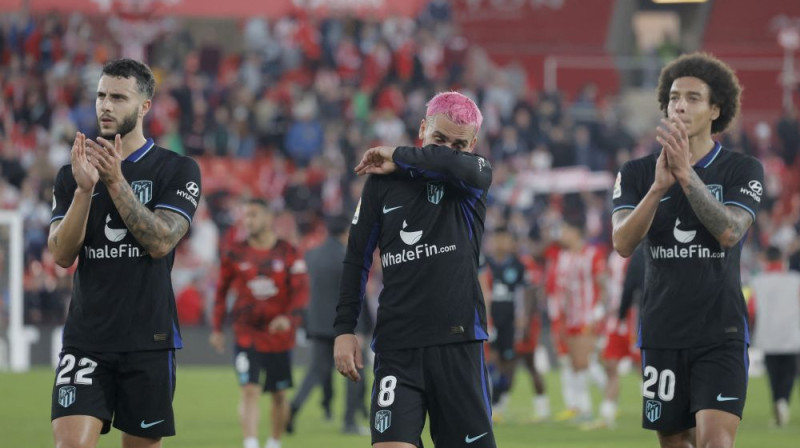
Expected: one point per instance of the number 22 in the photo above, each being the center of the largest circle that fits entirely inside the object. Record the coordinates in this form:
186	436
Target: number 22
81	376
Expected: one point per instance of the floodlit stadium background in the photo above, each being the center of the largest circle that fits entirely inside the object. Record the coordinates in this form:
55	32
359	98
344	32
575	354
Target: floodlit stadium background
279	98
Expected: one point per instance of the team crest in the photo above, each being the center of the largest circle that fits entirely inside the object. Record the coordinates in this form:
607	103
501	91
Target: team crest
435	192
652	410
66	396
716	191
143	189
383	420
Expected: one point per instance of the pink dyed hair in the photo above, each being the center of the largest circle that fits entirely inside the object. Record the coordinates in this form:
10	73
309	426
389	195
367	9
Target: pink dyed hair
456	107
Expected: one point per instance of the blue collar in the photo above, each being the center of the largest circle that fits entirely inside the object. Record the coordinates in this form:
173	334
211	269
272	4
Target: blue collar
708	158
139	153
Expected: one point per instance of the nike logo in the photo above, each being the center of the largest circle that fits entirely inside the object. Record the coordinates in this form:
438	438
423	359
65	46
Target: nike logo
469	439
387	210
147	425
721	398
95	194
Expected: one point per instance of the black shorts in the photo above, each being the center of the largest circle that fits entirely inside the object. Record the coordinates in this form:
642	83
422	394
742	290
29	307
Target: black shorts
132	389
249	363
678	383
503	319
449	382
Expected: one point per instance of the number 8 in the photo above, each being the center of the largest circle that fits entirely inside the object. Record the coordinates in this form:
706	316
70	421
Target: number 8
386	392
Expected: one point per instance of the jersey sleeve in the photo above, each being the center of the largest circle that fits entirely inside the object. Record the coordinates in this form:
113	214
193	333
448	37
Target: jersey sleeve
227	272
364	233
62	193
183	189
627	192
746	186
467	171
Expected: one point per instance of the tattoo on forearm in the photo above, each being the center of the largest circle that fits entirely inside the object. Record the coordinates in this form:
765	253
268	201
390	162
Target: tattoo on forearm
727	227
157	231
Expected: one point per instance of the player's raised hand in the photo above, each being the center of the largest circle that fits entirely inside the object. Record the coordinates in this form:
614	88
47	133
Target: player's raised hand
107	158
347	356
664	177
674	138
85	174
377	160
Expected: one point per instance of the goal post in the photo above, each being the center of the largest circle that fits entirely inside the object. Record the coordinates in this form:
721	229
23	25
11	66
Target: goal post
17	337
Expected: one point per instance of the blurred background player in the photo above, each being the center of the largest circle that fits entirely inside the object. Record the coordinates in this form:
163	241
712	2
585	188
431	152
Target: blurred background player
625	284
529	325
508	280
579	291
324	264
268	278
776	305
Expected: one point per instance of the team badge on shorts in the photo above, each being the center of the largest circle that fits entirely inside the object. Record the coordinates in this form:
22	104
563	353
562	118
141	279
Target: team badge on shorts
143	189
435	192
66	396
652	410
383	420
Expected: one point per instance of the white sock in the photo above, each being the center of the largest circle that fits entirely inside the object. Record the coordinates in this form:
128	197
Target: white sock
273	443
541	406
598	373
608	410
250	442
567	387
583	400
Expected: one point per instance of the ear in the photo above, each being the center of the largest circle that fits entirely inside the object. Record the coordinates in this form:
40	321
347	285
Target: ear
714	112
422	125
472	144
145	108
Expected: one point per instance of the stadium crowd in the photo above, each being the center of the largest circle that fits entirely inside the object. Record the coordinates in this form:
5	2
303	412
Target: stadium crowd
288	115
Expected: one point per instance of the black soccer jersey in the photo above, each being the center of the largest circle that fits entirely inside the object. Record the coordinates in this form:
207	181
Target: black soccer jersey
427	219
509	277
693	293
122	299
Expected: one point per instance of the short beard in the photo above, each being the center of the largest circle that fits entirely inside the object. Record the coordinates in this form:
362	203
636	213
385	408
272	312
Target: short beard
128	124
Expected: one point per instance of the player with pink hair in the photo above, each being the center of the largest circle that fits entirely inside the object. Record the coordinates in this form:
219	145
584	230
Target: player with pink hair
425	208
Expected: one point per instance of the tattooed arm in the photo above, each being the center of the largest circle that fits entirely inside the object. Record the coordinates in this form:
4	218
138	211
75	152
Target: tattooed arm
727	224
159	231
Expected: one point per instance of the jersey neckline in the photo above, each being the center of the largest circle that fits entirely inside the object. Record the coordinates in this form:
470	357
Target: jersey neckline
141	152
710	157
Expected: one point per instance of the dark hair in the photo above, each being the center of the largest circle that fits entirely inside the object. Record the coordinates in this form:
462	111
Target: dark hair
261	202
129	68
575	218
722	83
337	225
773	253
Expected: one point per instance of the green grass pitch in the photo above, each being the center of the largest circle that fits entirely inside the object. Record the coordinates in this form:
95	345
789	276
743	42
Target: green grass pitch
206	400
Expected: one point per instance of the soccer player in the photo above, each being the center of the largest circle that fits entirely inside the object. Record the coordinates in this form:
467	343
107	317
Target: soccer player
626	280
508	285
268	277
425	208
690	205
579	291
120	208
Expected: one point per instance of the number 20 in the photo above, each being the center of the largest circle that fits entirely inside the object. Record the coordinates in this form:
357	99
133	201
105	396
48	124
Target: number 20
81	376
666	383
